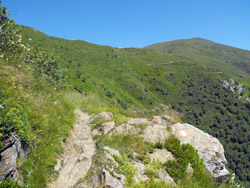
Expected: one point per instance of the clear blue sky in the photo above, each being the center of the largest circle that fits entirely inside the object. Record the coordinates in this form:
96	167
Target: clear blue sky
137	23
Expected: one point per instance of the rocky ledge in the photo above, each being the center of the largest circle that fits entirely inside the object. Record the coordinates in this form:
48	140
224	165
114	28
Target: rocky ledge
208	147
8	157
156	129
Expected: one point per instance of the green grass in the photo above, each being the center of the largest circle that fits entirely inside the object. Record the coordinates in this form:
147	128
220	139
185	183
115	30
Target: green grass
50	117
132	82
128	144
232	61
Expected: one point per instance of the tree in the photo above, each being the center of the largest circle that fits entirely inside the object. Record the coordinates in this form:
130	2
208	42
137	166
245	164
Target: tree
9	35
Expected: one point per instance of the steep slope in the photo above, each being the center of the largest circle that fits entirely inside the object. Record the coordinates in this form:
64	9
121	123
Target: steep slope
207	53
135	81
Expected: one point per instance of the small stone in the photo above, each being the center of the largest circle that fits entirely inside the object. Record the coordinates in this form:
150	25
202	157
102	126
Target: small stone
157	120
137	121
189	170
104	179
107	127
58	165
125	129
8	157
162	155
164	176
96	132
112	151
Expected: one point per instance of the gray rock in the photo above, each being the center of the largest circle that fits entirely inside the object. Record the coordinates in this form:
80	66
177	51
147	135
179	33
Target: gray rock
164	176
96	132
112	151
107	127
162	155
162	120
104	179
109	181
189	170
157	120
140	169
156	133
208	147
137	121
125	129
58	165
9	154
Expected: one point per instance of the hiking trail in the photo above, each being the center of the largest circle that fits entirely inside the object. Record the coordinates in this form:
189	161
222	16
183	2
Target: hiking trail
77	158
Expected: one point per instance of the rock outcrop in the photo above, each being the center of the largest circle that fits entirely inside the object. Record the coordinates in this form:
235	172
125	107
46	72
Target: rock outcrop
80	147
208	147
9	154
104	179
125	129
156	133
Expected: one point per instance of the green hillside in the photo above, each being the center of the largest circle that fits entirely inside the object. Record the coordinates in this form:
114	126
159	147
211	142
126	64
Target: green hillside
232	61
44	79
187	77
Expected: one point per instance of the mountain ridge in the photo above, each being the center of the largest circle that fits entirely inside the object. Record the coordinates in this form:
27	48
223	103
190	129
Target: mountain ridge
132	82
197	39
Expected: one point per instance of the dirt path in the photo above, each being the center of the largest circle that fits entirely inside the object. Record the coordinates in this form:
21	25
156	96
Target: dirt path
77	158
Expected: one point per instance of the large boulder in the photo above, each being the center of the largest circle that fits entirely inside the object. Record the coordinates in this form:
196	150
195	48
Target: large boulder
209	148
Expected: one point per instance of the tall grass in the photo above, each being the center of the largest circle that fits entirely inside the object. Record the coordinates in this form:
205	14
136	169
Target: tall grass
50	116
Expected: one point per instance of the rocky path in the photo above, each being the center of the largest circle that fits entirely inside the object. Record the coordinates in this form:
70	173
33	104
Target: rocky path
77	158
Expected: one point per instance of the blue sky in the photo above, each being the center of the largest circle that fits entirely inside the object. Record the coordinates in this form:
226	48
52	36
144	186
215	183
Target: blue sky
137	23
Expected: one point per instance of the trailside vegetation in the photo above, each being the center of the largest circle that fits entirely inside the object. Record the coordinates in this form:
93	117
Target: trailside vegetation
44	78
32	104
136	81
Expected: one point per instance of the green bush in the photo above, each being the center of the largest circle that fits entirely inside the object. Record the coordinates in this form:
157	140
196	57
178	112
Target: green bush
13	114
9	183
45	64
184	154
159	145
9	35
125	168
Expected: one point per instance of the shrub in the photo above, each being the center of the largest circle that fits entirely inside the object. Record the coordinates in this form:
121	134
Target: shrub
9	35
13	115
185	154
9	183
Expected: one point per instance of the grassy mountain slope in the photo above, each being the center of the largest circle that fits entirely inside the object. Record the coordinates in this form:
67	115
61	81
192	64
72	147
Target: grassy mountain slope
41	113
224	58
188	78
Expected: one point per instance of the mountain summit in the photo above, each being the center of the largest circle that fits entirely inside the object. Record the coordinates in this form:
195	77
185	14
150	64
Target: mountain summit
207	53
